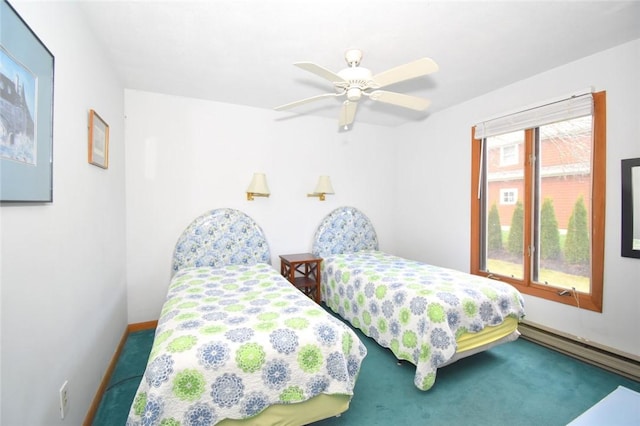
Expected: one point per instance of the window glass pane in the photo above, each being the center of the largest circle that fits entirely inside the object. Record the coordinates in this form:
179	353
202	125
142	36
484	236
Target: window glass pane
504	214
564	204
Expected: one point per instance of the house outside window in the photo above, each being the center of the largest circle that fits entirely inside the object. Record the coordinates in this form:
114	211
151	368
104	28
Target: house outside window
538	223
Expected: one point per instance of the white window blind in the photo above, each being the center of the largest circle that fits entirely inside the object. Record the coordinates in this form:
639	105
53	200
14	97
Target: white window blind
552	112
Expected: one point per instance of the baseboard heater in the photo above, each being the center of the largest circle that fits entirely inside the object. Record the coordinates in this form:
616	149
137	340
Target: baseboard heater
598	355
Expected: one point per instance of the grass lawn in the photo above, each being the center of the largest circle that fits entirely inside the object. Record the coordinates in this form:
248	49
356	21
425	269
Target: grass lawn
548	276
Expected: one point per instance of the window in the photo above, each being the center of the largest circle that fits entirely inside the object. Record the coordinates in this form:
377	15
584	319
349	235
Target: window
508	155
508	196
538	222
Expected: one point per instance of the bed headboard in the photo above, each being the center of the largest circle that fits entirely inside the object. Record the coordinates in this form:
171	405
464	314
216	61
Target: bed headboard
344	230
221	237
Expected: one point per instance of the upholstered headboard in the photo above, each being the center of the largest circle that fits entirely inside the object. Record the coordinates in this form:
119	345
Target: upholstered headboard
344	230
221	237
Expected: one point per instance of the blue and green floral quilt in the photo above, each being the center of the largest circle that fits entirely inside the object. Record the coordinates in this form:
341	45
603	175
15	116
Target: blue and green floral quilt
234	340
415	309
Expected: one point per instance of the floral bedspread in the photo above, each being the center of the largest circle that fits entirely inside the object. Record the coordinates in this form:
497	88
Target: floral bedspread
415	309
233	340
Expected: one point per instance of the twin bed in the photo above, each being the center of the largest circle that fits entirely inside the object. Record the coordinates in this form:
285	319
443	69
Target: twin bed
427	315
237	344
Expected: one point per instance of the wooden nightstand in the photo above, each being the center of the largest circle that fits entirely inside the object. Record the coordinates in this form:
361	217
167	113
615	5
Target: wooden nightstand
303	271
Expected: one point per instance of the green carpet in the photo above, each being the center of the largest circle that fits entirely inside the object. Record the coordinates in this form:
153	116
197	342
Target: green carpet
516	384
122	387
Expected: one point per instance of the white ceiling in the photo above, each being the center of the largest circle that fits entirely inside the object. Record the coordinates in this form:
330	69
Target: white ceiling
242	51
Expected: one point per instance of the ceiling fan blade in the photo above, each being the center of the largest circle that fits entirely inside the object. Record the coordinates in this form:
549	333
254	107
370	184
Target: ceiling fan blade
347	113
399	99
404	72
320	71
307	100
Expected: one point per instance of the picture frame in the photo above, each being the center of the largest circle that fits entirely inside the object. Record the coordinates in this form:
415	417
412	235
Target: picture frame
26	122
630	236
98	141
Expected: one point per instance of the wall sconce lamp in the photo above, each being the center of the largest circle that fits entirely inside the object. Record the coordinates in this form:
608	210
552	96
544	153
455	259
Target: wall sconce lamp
323	187
258	187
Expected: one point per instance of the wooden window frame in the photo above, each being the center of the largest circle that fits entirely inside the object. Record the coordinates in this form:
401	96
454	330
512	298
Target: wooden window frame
593	300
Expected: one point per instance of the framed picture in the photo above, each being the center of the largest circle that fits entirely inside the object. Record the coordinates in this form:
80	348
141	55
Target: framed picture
26	112
631	207
98	141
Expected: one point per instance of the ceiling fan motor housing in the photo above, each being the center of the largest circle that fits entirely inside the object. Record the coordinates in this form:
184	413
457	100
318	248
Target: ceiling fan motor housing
357	77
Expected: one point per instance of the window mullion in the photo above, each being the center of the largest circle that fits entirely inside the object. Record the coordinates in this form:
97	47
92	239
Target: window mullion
528	197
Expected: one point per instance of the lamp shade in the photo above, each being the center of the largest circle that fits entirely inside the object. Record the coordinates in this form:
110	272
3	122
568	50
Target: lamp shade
258	184
324	186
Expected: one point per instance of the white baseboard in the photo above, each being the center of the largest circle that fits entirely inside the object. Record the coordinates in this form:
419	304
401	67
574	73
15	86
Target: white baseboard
607	358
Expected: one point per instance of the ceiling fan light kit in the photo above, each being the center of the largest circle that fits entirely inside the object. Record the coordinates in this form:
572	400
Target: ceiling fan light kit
355	82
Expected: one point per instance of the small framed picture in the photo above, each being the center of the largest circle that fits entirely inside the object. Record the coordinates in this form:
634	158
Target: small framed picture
98	141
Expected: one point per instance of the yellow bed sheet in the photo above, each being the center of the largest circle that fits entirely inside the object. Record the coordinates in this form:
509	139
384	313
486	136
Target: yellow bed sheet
317	408
490	334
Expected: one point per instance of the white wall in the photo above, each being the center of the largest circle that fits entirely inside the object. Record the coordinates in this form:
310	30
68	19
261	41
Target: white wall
62	272
439	150
187	156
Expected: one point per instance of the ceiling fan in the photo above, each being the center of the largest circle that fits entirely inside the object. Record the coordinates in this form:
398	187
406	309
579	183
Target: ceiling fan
355	82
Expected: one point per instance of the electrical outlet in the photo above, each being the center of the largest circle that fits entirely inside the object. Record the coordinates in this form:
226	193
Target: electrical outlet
64	398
